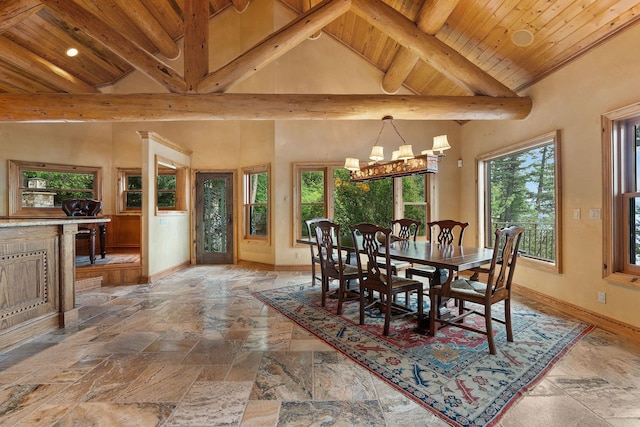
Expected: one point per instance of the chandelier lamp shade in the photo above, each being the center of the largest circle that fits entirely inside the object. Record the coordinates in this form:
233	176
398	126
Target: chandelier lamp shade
403	162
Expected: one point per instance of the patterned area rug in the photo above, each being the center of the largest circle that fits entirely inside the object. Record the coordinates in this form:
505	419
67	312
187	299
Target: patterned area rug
452	374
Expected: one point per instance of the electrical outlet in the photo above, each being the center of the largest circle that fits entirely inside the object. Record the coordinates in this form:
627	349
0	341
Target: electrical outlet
594	213
602	297
297	255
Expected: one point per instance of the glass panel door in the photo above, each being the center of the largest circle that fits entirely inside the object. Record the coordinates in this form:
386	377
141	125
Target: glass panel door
214	218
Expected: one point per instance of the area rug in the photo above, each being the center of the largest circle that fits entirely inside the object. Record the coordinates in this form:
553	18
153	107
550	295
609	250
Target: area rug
451	374
83	261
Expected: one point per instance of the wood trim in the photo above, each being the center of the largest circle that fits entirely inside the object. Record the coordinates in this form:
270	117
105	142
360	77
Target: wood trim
15	169
604	322
152	278
241	106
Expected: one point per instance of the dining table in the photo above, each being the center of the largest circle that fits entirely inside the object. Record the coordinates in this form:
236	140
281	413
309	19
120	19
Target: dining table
448	260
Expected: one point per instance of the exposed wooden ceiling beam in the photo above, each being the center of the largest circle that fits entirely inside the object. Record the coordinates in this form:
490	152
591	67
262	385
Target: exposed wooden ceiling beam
274	46
14	11
306	6
431	50
196	42
119	44
238	106
143	18
431	17
42	69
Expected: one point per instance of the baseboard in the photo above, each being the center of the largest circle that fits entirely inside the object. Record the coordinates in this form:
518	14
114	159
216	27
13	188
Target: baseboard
152	278
604	322
271	267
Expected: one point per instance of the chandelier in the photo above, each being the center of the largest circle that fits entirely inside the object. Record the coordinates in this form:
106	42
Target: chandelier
402	163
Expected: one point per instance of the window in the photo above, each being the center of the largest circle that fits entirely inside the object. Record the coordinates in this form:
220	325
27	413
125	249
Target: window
520	186
39	188
312	196
412	192
130	190
170	186
621	216
351	203
256	202
166	188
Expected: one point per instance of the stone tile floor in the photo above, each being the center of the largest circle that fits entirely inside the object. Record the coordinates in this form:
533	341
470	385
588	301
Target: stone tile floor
196	349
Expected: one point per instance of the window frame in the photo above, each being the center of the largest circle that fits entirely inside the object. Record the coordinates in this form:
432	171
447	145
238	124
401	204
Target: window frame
168	167
328	168
123	174
16	169
247	205
532	143
615	164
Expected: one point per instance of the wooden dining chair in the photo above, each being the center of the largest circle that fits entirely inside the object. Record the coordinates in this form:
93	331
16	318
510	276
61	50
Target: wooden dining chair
315	258
443	232
402	229
332	264
372	243
497	288
89	208
405	228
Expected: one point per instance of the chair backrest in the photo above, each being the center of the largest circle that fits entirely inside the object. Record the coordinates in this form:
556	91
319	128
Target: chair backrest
330	261
505	255
447	230
311	233
368	240
81	207
408	228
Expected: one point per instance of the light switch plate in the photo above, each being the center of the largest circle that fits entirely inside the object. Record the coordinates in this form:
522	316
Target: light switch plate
576	213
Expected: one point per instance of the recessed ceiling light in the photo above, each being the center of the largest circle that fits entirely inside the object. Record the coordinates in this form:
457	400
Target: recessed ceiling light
72	51
522	38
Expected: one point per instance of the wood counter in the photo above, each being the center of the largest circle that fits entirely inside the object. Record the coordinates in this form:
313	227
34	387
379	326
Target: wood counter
37	275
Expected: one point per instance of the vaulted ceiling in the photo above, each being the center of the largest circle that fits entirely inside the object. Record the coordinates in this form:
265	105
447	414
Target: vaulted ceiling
462	59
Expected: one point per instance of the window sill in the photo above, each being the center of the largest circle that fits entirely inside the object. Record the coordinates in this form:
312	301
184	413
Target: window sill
625	279
540	265
170	213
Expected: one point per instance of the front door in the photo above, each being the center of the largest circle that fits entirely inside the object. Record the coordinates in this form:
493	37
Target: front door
214	218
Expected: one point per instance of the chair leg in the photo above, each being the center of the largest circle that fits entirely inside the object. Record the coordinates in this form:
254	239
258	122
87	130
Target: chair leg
420	306
342	288
507	319
433	312
361	306
313	273
92	246
324	283
387	317
487	319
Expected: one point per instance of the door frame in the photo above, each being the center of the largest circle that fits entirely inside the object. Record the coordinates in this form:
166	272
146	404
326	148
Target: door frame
234	181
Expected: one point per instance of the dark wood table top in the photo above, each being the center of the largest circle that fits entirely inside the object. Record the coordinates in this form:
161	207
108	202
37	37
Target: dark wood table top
451	257
457	258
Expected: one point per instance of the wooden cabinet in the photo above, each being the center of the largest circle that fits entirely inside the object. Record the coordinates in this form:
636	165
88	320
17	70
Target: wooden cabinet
124	233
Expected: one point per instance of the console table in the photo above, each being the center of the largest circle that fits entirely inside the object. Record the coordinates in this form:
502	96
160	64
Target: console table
37	275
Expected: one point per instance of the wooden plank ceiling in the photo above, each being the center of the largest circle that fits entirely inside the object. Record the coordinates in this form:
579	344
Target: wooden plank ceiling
457	57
